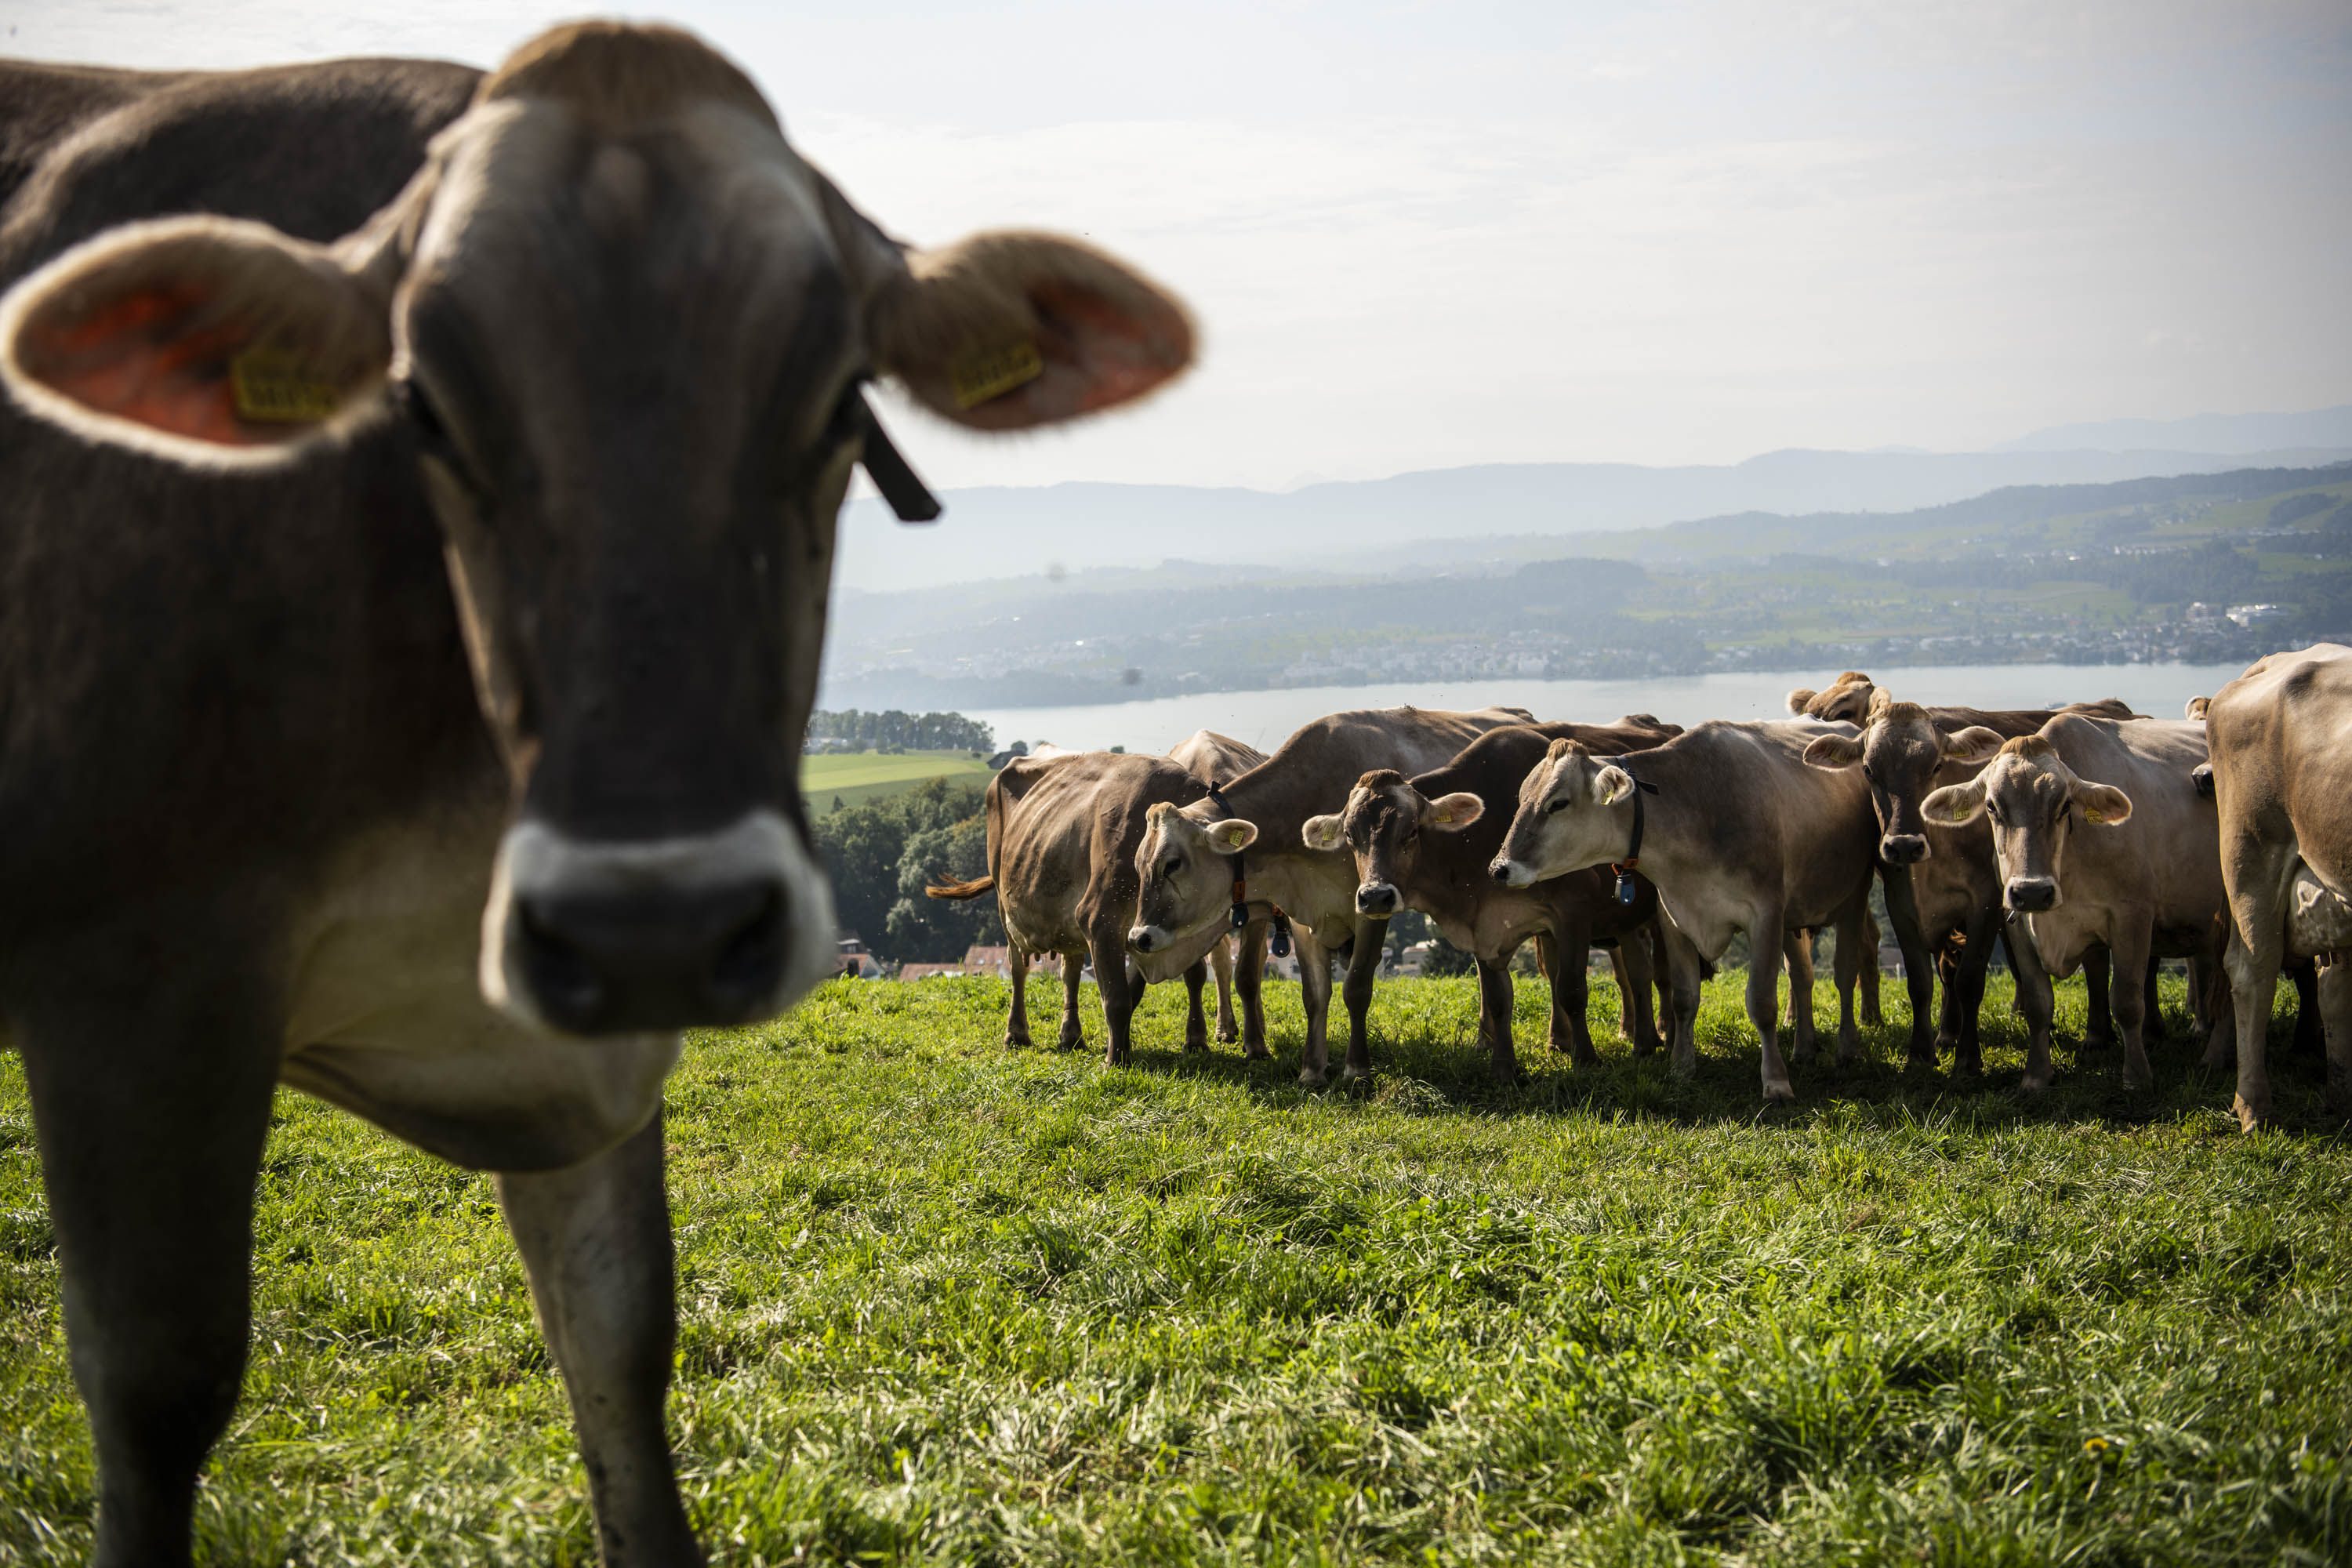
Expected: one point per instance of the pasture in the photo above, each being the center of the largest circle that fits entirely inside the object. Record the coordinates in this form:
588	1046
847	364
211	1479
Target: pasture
859	778
945	1303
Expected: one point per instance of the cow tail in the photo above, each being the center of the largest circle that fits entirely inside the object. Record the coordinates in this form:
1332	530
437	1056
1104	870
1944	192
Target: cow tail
961	891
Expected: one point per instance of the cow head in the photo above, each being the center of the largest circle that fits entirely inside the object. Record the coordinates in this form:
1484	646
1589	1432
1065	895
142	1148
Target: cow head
1846	700
1575	810
1185	876
1383	827
1899	753
2033	798
625	329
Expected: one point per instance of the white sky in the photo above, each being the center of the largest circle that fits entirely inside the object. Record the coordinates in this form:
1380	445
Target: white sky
1421	235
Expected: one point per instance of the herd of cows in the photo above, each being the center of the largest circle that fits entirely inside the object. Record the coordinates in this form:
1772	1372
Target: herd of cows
2088	837
417	503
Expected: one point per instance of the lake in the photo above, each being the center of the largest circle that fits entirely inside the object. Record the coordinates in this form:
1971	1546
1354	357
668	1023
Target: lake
1264	718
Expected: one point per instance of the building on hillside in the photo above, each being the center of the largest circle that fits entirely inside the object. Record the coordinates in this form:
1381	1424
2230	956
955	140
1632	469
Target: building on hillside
931	970
852	959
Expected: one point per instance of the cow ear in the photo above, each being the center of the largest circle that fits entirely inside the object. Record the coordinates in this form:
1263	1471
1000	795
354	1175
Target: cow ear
1454	811
1954	804
1973	744
2103	805
206	340
1801	699
1005	332
1833	754
1324	832
1612	784
1232	837
2197	706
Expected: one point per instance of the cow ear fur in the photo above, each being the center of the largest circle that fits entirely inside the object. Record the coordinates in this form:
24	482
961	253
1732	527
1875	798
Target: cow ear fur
2103	805
1454	811
1801	699
1009	331
1324	832
1232	837
208	341
1973	744
1954	805
1833	754
1612	784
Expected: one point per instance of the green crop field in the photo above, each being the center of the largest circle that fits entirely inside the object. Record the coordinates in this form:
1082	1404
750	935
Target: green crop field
858	777
945	1303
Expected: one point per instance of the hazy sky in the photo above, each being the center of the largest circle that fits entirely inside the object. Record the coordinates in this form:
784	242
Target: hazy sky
1421	235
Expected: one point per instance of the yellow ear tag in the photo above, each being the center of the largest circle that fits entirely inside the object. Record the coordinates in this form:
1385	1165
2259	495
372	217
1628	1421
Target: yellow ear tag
269	388
1444	817
2092	814
1960	814
981	373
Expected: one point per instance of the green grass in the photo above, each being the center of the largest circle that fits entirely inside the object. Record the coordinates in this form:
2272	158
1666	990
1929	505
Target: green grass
858	778
946	1304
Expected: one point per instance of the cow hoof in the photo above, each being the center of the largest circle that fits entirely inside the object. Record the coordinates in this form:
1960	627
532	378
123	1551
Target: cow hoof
1227	1036
1311	1078
2034	1086
1780	1093
1016	1042
1258	1054
1196	1043
2251	1118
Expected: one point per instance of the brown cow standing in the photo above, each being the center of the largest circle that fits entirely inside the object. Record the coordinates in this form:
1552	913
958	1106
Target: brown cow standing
1425	843
417	496
2280	739
1062	836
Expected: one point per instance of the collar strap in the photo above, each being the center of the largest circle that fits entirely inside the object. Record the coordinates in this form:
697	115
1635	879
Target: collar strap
1624	868
892	475
1279	940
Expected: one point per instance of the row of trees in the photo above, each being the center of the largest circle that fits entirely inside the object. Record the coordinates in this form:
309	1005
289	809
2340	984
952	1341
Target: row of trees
893	731
882	855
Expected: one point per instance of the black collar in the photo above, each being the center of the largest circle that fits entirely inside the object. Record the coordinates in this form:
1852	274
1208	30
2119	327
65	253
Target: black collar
1624	868
1279	942
892	474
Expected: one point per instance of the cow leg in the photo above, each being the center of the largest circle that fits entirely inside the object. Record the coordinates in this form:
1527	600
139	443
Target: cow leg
2333	987
2035	998
1621	970
1918	966
1763	1000
1797	946
1684	969
1221	960
1867	976
2098	1022
1119	986
1073	1037
2310	1038
1249	979
1636	973
595	1241
2221	1030
1964	989
151	1105
1847	968
1495	1002
1661	958
2152	1029
1196	1022
1017	1021
2129	951
1363	969
1315	997
1571	993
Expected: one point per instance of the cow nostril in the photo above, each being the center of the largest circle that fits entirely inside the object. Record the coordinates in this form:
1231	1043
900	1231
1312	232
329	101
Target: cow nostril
1501	871
1904	848
561	976
751	961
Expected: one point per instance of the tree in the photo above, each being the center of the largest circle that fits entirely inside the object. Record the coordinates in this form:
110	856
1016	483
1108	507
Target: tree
925	929
863	844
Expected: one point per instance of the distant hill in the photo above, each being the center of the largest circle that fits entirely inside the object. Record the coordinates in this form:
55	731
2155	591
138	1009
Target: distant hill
2238	432
1008	533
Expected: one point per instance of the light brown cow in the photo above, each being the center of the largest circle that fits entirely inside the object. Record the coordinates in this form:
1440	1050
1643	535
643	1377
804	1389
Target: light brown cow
1245	848
2141	874
1425	843
2281	736
1062	836
1739	835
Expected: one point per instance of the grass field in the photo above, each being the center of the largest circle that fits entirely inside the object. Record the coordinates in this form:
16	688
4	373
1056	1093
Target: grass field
947	1303
858	777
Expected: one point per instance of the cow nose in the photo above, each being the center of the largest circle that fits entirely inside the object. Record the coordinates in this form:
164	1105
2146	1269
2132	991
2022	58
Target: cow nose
1904	848
1376	899
607	960
1147	939
1510	873
2030	894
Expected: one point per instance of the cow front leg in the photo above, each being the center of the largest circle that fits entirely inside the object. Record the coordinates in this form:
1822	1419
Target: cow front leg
1636	975
1847	968
2035	998
1797	948
1249	980
2310	1036
151	1113
1355	991
1221	963
1571	995
1315	999
1073	1036
1964	990
2098	1022
1763	1004
1684	969
1196	1022
596	1241
1872	1013
1016	1017
2333	984
1494	1007
1119	986
1918	965
2130	950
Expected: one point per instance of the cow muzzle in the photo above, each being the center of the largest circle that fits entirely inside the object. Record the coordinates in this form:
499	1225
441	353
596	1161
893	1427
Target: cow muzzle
1903	848
585	937
1378	899
1511	873
2031	895
1148	938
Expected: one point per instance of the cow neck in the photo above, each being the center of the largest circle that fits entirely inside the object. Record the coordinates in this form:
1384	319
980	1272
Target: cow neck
1658	773
1279	937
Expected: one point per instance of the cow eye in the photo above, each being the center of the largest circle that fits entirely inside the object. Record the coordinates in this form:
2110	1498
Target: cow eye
1559	804
1169	867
